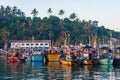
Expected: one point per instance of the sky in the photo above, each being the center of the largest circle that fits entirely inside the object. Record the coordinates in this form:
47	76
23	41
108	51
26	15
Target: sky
106	12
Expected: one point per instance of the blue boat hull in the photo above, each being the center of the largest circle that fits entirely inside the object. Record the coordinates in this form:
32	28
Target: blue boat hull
37	58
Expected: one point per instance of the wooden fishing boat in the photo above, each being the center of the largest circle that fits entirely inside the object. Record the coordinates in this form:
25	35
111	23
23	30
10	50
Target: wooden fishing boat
37	55
88	56
13	59
53	55
105	61
68	62
106	55
117	56
87	61
11	56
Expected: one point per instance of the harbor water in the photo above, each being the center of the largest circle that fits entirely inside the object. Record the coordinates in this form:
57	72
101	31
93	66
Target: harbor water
56	71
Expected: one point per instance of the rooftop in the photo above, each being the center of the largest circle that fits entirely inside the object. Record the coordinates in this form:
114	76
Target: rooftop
19	41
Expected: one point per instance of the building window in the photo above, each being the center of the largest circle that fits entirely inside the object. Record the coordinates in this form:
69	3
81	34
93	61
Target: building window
46	44
36	44
22	44
41	44
27	44
32	44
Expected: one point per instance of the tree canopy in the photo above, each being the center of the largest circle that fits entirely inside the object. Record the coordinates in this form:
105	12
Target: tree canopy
14	25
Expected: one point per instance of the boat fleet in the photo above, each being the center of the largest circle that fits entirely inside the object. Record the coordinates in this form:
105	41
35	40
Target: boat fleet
67	55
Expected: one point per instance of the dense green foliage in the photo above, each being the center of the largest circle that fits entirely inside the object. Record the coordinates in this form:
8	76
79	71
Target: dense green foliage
14	25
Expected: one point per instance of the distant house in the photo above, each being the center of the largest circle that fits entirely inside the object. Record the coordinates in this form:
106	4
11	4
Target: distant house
30	43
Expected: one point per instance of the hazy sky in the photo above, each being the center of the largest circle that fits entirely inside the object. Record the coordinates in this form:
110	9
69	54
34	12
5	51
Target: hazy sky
107	12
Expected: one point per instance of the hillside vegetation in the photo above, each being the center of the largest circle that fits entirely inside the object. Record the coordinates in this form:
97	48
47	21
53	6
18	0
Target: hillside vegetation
14	25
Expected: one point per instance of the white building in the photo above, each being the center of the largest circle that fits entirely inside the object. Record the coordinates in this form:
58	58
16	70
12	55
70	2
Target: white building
30	43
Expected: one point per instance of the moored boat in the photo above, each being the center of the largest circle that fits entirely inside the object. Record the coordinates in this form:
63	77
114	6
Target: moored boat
68	62
13	59
106	55
105	61
37	55
69	56
16	55
53	55
117	56
88	55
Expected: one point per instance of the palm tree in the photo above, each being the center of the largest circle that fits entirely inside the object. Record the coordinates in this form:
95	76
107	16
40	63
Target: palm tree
50	11
2	10
61	12
23	14
87	29
14	10
73	16
8	10
34	12
4	36
19	12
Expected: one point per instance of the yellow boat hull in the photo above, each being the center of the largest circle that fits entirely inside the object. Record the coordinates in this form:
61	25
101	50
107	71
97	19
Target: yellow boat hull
53	57
67	62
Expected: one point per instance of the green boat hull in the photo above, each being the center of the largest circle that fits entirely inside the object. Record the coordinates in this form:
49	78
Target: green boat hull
105	61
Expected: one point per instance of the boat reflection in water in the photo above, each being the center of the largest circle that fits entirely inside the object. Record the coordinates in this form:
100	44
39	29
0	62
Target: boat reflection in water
36	71
36	64
117	71
54	71
67	72
57	71
104	72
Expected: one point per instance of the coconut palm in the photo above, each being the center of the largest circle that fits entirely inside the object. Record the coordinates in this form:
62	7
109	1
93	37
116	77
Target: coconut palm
4	35
50	11
14	10
86	27
34	12
61	13
2	10
73	16
19	12
8	10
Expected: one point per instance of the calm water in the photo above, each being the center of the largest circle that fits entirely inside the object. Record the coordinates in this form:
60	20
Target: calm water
56	71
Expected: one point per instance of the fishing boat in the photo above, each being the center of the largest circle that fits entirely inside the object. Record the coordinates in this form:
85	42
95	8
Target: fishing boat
69	56
53	55
88	55
68	62
37	54
117	56
13	59
16	55
11	56
106	55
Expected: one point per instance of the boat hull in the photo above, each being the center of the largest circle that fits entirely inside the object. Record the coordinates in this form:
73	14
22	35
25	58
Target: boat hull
68	62
105	61
37	58
53	57
13	59
87	62
117	58
116	61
